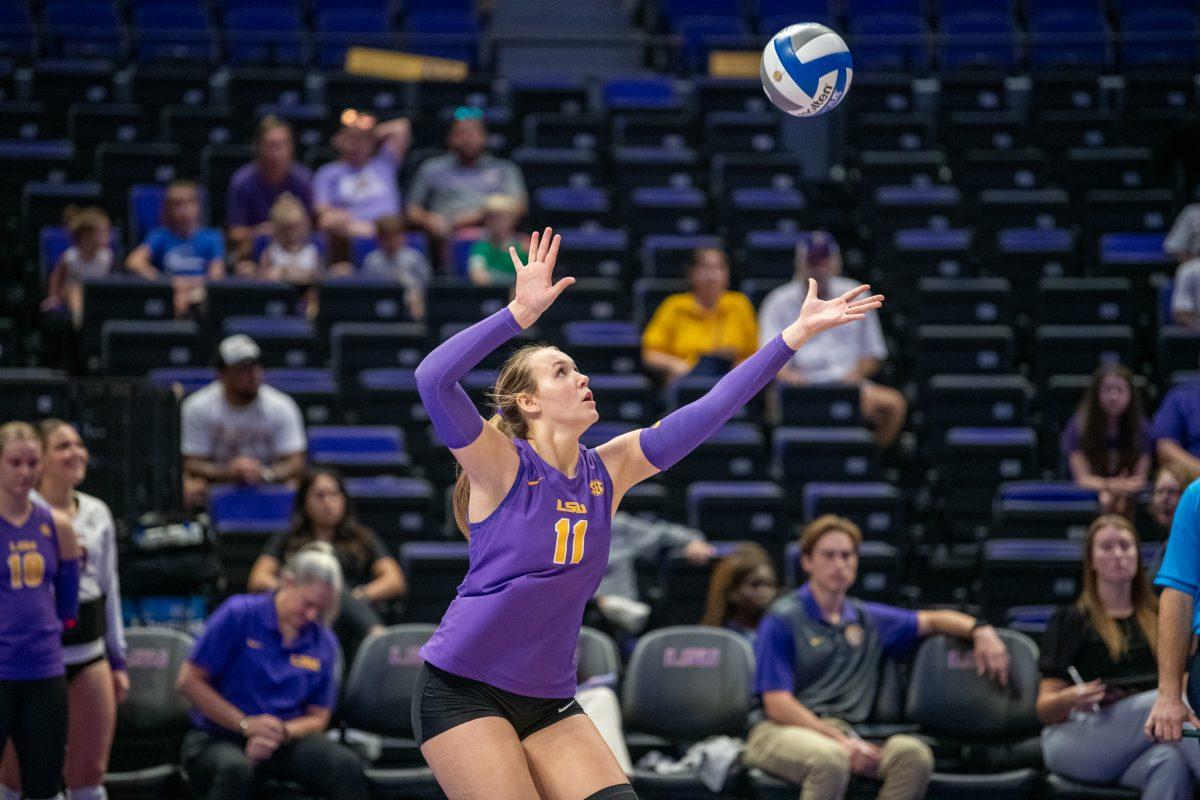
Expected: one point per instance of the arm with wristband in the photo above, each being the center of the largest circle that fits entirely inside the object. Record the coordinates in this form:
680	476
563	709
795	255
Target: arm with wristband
66	579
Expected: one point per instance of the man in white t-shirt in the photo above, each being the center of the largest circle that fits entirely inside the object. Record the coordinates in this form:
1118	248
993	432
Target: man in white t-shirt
238	430
1183	242
851	354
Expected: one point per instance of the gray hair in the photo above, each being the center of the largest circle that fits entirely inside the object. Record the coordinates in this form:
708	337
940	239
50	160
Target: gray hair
315	561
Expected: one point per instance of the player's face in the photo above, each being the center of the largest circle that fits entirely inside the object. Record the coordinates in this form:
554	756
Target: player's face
20	463
756	591
1165	498
1114	395
467	139
303	603
66	457
833	564
563	395
1114	555
325	503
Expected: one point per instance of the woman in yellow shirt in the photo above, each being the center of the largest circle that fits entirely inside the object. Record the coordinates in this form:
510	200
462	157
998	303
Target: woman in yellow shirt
706	330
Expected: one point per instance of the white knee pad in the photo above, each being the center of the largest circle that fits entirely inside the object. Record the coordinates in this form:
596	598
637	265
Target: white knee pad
87	793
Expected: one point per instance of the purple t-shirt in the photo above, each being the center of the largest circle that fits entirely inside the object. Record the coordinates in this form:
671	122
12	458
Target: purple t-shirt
1070	443
251	197
1178	417
367	193
30	630
250	666
533	565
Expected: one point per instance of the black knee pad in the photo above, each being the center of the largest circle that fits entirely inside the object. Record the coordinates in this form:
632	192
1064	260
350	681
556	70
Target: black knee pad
622	791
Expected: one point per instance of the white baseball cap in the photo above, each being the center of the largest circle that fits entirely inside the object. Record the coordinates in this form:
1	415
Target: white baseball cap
237	349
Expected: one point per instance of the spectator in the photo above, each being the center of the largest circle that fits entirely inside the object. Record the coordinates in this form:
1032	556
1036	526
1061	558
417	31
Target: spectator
449	192
1169	483
742	587
1183	240
1176	427
256	186
394	259
181	249
262	684
1107	443
704	331
372	577
90	256
291	256
489	261
617	599
360	187
1094	731
815	691
237	430
851	355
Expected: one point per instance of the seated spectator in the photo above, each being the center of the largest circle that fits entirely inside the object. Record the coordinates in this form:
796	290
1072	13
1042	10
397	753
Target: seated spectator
255	187
371	575
292	256
489	262
814	693
1176	427
90	256
704	331
262	683
393	259
1107	443
742	587
1108	636
852	354
617	601
180	249
238	430
1183	240
1169	483
351	193
449	192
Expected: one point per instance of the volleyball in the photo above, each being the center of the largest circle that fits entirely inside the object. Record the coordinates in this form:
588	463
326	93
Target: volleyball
806	69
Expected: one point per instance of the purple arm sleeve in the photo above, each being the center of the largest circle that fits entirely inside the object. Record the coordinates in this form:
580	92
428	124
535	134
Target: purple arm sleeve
453	414
683	430
66	591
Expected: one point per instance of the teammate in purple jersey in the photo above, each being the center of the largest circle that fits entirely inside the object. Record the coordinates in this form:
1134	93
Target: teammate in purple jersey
493	708
39	593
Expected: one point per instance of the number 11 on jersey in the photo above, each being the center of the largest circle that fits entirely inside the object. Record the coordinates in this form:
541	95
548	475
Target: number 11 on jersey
563	532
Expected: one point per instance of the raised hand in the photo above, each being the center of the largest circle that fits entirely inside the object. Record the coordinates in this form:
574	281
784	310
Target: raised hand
536	290
817	315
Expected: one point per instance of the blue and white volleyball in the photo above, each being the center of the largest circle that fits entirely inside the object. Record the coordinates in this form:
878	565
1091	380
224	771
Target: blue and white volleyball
806	69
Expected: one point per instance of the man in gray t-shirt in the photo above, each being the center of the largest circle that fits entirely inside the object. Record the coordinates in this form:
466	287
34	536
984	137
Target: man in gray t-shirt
449	191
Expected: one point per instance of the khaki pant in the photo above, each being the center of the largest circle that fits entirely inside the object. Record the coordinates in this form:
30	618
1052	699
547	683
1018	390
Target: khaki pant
822	768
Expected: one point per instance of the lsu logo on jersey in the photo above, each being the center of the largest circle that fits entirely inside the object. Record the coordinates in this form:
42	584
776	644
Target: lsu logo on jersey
570	507
596	487
305	662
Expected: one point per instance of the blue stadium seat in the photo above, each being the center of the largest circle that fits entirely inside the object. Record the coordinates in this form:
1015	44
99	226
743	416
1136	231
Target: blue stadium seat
359	450
704	34
238	297
668	255
1138	250
433	570
636	167
802	455
602	432
1109	168
664	209
1015	570
890	41
1023	168
340	29
83	29
1127	210
675	10
460	6
355	346
285	341
567	130
555	166
629	395
314	389
668	129
17	35
765	209
1026	254
188	379
979	39
640	93
877	508
1159	37
690	388
595	299
917	207
964	350
1043	509
264	35
976	461
831	404
134	347
23	161
388	396
1080	349
265	508
930	252
1069	38
173	32
750	510
741	131
730	171
570	207
1024	208
445	34
1086	301
734	452
965	301
398	509
770	254
362	300
599	253
953	401
612	347
1000	129
1178	351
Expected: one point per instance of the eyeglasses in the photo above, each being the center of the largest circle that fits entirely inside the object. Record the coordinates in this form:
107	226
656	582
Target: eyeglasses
468	112
353	118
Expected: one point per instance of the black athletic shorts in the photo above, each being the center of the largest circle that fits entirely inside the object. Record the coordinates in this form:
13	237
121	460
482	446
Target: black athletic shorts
73	670
443	700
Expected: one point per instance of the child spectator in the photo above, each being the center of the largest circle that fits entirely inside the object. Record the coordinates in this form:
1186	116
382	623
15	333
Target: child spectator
181	249
489	262
394	259
291	256
89	256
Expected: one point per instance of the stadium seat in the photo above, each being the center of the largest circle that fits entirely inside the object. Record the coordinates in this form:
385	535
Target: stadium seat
554	166
976	461
24	161
665	209
751	510
66	35
258	509
1079	349
133	347
17	35
565	130
899	207
901	167
43	204
264	35
741	131
1109	168
89	124
338	30
612	347
964	350
913	130
730	171
1085	301
734	452
1023	168
388	396
1001	129
1025	254
665	129
657	167
953	401
596	657
802	455
978	39
32	393
1043	509
1069	39
434	569
315	390
1178	351
1061	130
931	252
285	341
356	346
1015	570
1037	209
185	379
359	450
451	301
235	297
152	720
398	509
173	31
120	166
890	41
569	207
877	508
593	299
1161	37
827	404
358	300
443	33
965	301
668	255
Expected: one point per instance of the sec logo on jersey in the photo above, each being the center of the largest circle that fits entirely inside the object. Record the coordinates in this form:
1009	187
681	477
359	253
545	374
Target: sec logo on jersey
597	487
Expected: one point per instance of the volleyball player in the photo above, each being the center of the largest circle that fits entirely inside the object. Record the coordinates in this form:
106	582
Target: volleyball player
39	593
94	650
494	711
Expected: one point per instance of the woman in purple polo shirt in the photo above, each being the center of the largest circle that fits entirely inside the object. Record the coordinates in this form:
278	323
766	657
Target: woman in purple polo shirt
262	685
494	706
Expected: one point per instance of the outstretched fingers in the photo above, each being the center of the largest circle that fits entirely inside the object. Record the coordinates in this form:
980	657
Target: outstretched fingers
866	303
856	291
516	259
543	244
552	255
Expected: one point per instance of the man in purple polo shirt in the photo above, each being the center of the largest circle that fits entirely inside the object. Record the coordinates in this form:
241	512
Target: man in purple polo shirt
819	654
1176	428
262	685
256	186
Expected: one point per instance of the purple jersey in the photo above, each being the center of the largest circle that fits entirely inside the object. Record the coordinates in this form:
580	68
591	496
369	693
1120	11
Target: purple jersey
533	565
30	631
